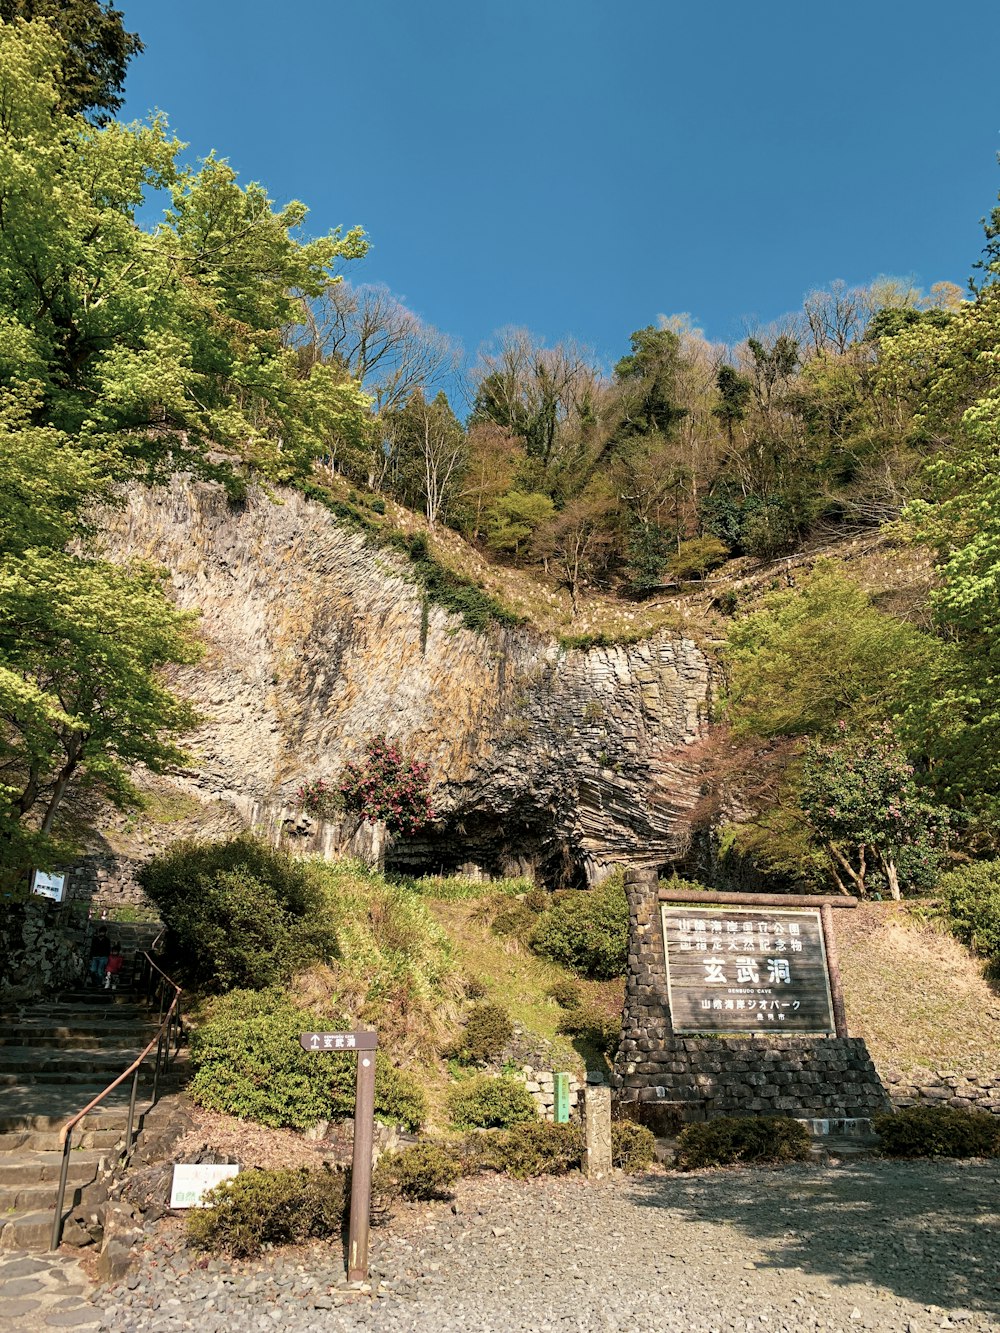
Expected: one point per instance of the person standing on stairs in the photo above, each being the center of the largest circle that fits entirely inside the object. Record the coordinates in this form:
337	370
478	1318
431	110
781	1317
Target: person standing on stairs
114	967
100	950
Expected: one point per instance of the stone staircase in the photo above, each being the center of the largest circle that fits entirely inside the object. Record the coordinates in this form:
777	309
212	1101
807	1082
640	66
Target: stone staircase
55	1057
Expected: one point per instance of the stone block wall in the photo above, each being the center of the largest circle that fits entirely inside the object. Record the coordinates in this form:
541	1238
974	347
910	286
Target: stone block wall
541	1083
106	879
696	1078
703	1077
945	1087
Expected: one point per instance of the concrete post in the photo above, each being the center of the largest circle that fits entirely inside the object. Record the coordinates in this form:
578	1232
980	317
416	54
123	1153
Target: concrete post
597	1117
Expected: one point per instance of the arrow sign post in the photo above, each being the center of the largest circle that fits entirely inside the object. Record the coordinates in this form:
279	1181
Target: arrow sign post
364	1044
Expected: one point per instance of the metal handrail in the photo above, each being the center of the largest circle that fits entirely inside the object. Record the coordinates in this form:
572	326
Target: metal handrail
168	1031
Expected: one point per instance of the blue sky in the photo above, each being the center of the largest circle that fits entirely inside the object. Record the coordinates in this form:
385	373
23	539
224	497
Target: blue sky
579	167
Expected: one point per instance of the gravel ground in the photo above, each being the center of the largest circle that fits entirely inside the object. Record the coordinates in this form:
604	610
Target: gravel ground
870	1245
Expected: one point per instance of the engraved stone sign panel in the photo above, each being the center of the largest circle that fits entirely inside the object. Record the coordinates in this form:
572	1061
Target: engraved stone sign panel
746	969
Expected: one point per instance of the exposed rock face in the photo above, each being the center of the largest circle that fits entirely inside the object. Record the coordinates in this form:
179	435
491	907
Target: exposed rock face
567	761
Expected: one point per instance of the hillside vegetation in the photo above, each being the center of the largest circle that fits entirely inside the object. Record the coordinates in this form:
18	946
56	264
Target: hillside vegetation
818	504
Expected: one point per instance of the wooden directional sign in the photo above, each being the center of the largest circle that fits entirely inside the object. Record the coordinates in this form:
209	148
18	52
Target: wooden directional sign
747	969
338	1041
362	1044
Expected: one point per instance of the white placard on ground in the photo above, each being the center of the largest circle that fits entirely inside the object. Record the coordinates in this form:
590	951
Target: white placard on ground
193	1180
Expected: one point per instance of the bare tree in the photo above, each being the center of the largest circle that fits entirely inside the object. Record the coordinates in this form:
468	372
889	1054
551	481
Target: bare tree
543	394
376	340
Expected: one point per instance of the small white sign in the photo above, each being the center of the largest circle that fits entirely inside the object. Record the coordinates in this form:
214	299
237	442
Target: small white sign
49	885
192	1181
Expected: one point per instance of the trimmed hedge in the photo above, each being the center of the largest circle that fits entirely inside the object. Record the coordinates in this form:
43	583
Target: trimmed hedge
258	1208
586	930
732	1139
248	1063
488	1029
938	1131
485	1102
238	914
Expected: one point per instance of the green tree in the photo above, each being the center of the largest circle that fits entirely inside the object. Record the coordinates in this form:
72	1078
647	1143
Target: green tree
959	518
647	377
822	653
81	645
513	519
160	344
863	805
96	51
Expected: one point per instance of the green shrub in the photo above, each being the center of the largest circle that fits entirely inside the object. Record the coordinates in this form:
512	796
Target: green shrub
517	920
697	557
423	1171
248	1063
488	1029
938	1131
535	1148
971	896
238	913
485	1102
632	1146
586	931
537	899
588	1024
566	993
258	1208
742	1139
399	1096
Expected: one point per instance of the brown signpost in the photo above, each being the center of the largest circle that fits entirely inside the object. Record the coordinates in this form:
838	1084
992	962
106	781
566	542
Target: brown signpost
364	1044
751	963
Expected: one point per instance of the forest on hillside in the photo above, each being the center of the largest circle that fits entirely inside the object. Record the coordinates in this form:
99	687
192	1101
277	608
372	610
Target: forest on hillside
855	747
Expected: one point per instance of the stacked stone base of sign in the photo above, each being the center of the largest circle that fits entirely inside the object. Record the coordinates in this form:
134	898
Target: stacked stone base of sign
664	1082
541	1083
945	1087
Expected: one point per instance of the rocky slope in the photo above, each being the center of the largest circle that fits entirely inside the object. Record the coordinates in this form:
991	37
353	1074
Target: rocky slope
562	761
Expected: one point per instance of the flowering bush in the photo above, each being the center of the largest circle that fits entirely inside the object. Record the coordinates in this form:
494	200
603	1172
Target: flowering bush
319	798
388	788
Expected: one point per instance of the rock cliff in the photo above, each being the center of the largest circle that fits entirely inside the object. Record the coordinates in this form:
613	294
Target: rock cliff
566	762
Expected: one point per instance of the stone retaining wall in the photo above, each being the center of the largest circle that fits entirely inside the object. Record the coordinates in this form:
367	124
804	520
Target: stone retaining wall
662	1079
541	1083
945	1087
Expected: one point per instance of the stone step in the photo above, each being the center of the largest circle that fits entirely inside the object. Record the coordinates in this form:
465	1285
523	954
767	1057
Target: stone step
35	1168
26	1230
30	1198
50	1140
108	1035
72	1077
49	1107
36	1060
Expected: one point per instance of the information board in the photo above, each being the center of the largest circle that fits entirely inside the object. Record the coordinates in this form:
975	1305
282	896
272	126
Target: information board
745	969
192	1181
48	885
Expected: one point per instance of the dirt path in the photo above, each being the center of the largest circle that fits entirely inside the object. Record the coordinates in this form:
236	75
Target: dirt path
873	1245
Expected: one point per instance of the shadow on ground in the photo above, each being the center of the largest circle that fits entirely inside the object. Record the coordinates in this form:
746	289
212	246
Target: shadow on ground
927	1231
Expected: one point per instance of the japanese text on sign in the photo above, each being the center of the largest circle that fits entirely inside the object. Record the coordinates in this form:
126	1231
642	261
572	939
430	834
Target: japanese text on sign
338	1041
745	970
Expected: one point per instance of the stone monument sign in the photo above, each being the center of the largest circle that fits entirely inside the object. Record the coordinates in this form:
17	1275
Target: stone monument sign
739	969
733	1006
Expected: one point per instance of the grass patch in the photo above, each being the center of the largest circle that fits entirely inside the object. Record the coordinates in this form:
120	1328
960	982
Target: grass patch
451	888
914	993
508	973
